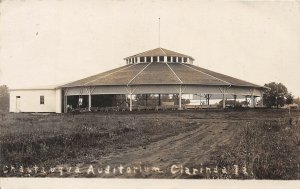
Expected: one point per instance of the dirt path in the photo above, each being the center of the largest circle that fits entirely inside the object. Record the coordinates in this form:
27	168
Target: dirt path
190	148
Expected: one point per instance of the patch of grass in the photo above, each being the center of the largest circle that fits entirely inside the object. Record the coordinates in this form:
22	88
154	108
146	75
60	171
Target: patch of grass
268	149
53	140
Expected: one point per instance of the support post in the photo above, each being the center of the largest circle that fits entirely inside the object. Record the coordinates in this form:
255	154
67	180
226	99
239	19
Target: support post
234	102
65	103
90	101
159	103
208	97
223	91
130	103
65	100
180	98
224	104
252	103
200	100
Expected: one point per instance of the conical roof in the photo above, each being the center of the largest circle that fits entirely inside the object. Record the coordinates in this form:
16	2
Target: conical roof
160	74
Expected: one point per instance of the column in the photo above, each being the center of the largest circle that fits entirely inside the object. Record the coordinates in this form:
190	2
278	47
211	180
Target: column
262	99
200	99
252	101
224	104
90	100
159	100
130	103
234	102
65	102
208	97
180	98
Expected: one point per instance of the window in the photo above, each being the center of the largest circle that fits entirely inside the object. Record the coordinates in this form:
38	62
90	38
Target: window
142	59
179	59
18	96
174	59
154	58
169	59
161	58
42	100
148	59
185	59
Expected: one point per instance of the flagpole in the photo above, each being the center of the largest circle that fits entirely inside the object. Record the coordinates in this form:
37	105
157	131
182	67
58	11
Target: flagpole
158	32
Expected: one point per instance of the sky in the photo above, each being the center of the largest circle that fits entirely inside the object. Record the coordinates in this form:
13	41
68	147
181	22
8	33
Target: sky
45	42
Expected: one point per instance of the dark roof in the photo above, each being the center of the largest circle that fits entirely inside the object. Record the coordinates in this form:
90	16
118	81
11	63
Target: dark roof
158	74
160	52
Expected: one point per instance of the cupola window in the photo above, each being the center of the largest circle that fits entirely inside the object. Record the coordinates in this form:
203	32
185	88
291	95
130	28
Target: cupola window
169	59
148	59
174	59
179	59
161	59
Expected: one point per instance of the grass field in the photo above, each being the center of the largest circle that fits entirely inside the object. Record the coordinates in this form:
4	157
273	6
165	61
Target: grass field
244	144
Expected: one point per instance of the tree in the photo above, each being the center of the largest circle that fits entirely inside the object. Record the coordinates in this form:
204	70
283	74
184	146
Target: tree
277	95
4	98
289	98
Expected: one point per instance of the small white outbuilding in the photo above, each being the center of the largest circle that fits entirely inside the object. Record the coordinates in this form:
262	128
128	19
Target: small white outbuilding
38	99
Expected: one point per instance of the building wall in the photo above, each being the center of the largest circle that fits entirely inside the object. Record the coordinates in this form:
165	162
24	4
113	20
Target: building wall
58	99
29	100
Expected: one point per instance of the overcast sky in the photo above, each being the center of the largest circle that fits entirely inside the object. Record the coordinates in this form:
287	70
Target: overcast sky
47	42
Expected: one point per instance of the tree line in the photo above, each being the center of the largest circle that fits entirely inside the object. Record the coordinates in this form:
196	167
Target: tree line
4	98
